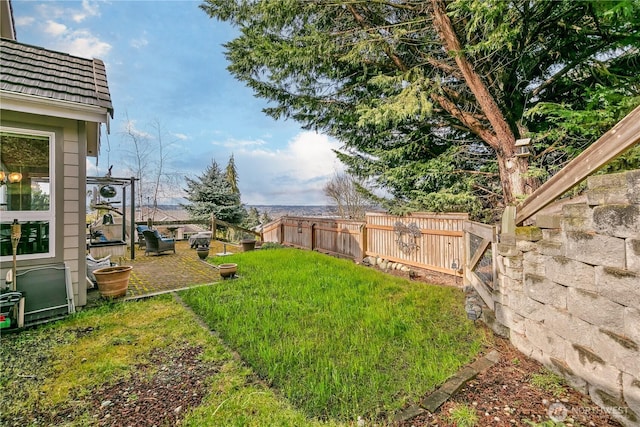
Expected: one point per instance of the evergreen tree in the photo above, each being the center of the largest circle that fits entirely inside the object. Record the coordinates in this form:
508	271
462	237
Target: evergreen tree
231	174
429	97
253	218
211	193
265	218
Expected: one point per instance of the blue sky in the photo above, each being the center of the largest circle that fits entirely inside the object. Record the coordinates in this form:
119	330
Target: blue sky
165	64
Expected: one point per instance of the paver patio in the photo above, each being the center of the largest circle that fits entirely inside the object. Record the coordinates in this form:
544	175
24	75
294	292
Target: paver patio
155	274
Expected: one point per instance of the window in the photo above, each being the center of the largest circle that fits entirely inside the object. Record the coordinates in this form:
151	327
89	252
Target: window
26	192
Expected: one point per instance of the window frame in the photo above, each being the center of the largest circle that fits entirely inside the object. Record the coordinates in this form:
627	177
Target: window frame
36	215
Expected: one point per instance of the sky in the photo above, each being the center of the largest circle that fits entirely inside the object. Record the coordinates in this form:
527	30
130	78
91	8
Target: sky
166	66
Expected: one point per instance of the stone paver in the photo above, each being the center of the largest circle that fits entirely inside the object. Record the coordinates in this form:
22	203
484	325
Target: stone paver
155	274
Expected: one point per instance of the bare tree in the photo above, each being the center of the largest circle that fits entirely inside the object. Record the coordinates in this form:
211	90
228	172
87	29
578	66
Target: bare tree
148	162
346	192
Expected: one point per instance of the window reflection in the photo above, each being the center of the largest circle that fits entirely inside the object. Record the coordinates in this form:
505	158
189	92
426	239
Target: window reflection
24	172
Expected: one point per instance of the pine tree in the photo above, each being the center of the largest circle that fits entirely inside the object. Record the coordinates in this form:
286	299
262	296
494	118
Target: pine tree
429	97
211	193
231	174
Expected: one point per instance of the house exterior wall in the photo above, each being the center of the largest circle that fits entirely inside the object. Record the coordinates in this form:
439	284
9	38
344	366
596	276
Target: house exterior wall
70	200
568	293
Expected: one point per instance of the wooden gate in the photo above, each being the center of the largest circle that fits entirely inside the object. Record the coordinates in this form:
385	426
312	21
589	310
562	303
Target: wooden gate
480	269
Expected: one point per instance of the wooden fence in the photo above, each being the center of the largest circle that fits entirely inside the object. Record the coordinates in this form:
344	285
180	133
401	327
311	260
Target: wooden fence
423	240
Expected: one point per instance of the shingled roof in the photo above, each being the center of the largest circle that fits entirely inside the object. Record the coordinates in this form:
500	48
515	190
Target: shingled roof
44	73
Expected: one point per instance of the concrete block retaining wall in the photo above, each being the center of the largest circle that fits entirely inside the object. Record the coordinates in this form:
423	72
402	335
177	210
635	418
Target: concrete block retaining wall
568	290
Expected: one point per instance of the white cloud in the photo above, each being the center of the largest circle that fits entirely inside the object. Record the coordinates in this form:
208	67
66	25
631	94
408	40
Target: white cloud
84	44
24	21
88	9
55	28
240	143
180	136
293	175
139	43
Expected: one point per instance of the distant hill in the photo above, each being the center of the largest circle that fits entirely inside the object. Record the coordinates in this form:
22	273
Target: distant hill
274	211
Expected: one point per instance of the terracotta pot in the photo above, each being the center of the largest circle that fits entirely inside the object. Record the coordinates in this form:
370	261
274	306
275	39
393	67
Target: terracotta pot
113	281
227	270
203	252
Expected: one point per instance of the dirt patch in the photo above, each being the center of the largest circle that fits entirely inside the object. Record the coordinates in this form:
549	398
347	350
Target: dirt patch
507	394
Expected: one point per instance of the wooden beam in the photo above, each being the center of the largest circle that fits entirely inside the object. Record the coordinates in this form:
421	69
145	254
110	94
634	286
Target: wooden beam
621	137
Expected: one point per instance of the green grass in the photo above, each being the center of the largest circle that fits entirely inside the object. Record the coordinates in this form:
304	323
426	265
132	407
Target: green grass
549	382
56	368
336	339
463	416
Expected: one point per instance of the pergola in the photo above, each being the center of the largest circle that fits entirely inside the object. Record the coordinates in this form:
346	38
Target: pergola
123	183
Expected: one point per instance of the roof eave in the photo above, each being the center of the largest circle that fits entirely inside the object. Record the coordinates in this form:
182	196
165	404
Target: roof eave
20	102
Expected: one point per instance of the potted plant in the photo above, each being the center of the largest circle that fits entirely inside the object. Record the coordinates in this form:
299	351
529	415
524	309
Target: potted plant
113	281
203	252
248	244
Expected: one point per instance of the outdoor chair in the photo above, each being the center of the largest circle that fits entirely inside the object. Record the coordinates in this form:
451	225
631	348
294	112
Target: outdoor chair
140	229
156	243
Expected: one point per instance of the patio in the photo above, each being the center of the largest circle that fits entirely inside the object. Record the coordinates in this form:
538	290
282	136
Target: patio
158	274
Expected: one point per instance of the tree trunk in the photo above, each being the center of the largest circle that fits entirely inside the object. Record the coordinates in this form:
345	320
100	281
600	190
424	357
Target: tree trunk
515	182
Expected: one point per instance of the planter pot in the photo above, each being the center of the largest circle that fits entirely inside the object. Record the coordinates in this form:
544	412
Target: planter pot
203	252
248	245
113	281
227	270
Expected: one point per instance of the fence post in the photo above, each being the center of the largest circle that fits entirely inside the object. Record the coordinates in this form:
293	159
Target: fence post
313	236
363	241
281	232
213	226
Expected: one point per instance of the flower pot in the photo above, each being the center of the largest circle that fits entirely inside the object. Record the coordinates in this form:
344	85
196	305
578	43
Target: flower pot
113	281
227	270
203	252
248	245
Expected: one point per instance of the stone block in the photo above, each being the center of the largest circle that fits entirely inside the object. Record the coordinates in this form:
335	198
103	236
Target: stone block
595	309
596	249
631	392
569	327
633	186
505	249
545	291
432	402
530	234
633	254
526	246
552	235
521	304
588	365
548	221
572	273
551	247
617	350
534	263
607	195
513	273
512	261
509	318
621	286
612	180
607	397
577	217
543	338
523	345
632	323
617	220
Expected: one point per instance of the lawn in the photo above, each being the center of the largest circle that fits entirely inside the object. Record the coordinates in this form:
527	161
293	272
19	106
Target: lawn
338	340
301	339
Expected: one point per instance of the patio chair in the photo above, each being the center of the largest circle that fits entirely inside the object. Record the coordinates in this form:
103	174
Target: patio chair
140	229
156	243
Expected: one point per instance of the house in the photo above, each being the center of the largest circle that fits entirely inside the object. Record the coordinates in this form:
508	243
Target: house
52	106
